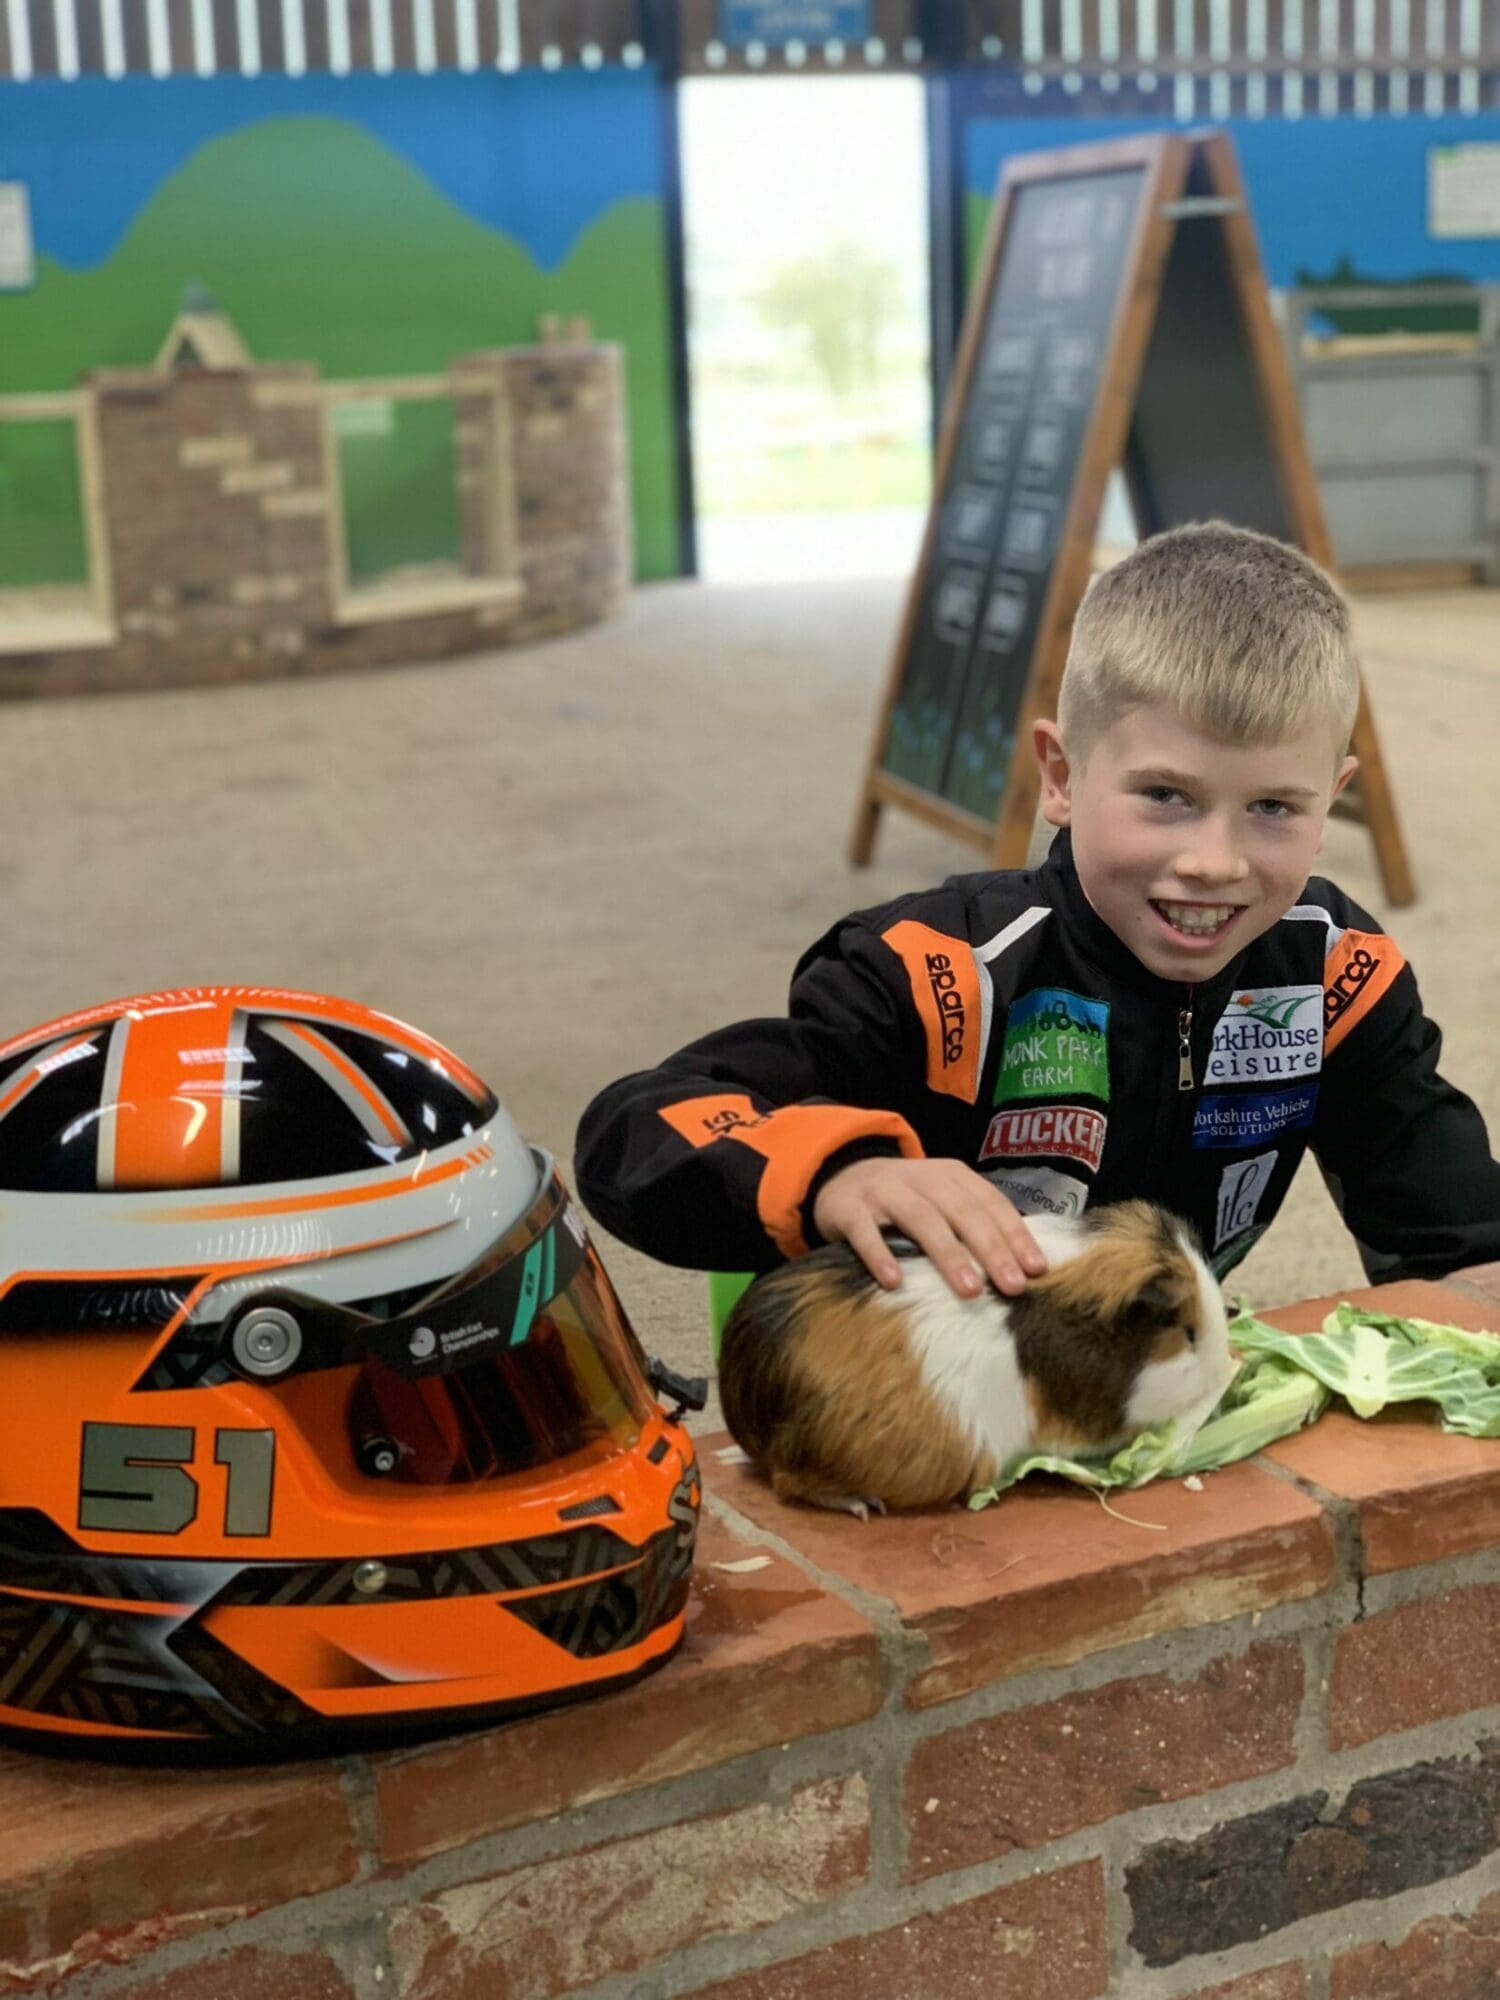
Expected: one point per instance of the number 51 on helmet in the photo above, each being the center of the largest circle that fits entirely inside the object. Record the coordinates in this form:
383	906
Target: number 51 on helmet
319	1416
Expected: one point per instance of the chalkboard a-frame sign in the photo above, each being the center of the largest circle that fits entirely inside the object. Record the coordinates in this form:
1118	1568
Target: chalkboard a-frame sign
1119	318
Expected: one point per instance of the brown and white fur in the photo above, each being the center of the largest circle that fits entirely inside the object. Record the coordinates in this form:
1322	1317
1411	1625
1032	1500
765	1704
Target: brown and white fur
853	1397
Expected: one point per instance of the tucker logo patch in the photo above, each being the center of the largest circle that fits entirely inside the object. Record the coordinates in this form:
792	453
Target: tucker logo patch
1056	1044
1269	1033
1241	1186
1251	1117
1040	1190
1057	1131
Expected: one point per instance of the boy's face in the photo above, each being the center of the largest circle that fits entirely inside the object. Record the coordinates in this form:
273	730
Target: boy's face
1188	847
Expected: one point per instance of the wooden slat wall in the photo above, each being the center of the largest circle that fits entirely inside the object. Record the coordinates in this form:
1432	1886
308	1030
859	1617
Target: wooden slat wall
1428	51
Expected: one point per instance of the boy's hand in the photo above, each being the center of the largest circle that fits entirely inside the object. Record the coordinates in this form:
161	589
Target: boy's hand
948	1210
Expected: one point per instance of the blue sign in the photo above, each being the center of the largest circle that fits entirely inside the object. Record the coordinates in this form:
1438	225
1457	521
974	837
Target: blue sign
1251	1117
777	22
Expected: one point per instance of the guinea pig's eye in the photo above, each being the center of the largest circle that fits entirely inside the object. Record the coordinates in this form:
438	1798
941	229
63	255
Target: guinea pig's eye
1192	1335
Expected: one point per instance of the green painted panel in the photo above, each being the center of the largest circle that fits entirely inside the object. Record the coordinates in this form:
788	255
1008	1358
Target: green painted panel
41	518
324	245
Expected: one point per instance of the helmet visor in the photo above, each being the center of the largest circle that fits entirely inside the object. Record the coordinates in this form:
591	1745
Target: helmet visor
527	1359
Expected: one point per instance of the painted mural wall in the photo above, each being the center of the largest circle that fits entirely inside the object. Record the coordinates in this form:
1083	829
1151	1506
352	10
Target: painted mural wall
1333	198
376	225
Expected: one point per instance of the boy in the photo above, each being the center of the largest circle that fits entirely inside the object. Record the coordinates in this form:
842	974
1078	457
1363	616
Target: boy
1167	1008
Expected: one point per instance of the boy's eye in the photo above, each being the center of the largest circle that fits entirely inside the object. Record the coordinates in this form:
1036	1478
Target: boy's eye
1272	809
1160	795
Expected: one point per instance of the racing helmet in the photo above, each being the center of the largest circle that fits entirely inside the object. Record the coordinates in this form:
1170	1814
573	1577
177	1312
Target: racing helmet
318	1413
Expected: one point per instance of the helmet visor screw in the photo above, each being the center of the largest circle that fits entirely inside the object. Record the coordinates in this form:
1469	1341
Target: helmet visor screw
377	1457
369	1578
266	1343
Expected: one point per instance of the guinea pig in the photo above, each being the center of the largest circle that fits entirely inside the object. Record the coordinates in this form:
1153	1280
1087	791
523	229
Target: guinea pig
853	1397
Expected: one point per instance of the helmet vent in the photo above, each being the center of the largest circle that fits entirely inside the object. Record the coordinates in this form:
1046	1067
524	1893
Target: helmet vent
72	1305
585	1509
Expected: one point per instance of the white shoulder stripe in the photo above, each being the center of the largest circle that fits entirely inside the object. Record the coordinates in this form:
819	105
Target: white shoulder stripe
1310	913
986	954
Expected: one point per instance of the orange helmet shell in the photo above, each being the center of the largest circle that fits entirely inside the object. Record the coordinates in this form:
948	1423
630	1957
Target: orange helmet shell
318	1412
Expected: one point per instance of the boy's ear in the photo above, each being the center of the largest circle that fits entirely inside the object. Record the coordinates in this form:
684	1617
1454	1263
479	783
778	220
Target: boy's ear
1346	771
1057	774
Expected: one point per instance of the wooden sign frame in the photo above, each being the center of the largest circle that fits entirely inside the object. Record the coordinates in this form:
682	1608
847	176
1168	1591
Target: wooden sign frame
1190	180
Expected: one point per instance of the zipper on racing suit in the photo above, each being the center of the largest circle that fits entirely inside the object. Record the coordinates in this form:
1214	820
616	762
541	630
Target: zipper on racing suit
1185	1044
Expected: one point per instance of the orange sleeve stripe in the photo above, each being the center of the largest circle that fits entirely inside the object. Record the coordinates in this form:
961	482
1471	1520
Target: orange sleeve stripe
1358	970
793	1141
944	980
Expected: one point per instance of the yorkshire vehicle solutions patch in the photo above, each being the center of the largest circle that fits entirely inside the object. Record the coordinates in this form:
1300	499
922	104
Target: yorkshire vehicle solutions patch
1056	1045
1051	1131
1253	1117
1268	1034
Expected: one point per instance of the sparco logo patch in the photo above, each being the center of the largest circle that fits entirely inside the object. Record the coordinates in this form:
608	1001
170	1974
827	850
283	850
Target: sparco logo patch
1269	1033
1056	1045
948	998
945	992
1051	1131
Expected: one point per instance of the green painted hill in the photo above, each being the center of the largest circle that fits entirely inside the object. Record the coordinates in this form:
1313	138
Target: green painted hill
323	245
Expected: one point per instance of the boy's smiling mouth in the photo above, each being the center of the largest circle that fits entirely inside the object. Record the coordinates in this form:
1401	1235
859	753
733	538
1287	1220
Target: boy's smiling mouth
1196	920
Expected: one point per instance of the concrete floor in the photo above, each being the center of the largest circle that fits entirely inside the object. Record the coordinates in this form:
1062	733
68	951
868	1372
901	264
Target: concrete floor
566	860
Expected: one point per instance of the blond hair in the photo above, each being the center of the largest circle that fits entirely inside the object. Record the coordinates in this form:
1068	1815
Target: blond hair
1245	637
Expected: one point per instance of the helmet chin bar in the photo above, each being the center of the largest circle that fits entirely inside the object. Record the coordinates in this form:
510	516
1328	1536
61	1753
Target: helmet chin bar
489	1307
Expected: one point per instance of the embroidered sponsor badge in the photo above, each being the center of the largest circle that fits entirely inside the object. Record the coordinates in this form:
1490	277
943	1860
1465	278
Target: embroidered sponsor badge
1055	1131
945	992
1241	1186
1056	1044
1251	1117
1040	1190
1268	1034
1357	972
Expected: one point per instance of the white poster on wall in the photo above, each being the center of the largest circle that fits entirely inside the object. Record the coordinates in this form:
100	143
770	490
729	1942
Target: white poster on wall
1463	189
17	262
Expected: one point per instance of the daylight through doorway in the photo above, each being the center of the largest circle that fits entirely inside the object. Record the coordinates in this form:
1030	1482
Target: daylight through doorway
805	213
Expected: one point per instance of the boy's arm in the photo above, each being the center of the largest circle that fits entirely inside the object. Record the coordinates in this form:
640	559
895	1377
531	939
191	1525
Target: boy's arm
1406	1155
714	1158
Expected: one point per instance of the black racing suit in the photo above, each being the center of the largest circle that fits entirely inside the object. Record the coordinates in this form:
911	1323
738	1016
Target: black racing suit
998	1020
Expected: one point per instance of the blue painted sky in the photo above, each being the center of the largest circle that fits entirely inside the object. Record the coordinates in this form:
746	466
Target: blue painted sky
537	155
1320	188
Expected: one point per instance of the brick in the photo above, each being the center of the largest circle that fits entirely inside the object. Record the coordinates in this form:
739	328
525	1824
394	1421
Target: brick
111	1860
1042	1939
246	1974
257	478
768	1658
215	451
1021	1780
280	506
1257	1874
1445	1958
1421	1494
1400	1669
1279	1982
1047	1576
549	1929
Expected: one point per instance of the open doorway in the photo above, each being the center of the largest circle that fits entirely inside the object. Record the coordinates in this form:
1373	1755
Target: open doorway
805	214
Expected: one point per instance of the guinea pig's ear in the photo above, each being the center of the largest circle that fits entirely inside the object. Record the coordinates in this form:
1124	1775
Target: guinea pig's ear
1161	1301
